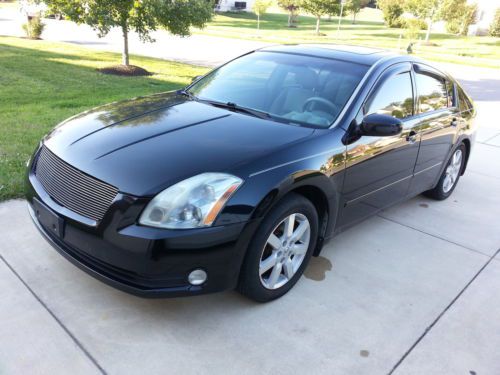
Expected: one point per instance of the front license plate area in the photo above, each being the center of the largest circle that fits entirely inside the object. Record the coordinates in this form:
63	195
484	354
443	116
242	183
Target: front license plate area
48	219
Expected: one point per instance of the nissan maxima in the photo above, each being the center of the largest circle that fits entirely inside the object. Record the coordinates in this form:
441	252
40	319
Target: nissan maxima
235	181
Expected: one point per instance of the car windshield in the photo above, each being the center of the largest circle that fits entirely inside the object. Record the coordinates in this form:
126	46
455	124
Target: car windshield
298	89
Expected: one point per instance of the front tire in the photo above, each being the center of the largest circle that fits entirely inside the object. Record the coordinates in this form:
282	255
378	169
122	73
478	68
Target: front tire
450	176
280	250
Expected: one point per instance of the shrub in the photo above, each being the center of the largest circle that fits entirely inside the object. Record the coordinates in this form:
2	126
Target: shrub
413	27
392	10
495	25
417	23
34	28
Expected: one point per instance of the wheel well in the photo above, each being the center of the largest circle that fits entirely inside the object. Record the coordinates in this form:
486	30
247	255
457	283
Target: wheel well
467	145
320	202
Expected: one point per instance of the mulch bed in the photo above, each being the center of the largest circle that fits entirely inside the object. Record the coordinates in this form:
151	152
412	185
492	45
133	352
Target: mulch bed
125	70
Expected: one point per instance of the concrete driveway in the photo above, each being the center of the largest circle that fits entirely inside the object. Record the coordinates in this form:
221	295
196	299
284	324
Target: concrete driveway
414	290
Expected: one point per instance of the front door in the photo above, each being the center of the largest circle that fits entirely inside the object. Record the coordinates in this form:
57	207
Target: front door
379	169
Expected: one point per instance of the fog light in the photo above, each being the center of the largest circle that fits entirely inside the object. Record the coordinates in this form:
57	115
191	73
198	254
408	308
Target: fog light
197	277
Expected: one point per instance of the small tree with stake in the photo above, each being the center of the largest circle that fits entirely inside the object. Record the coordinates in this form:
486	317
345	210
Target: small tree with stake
427	10
319	8
260	8
292	7
141	16
355	6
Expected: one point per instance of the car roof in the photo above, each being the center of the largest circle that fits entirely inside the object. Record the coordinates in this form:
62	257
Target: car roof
357	54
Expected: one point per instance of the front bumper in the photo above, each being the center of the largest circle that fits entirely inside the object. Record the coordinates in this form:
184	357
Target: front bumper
143	261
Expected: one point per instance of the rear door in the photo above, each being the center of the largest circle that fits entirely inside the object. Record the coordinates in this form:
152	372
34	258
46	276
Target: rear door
379	169
438	124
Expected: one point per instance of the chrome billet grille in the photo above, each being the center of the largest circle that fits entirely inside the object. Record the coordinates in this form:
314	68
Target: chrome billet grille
72	188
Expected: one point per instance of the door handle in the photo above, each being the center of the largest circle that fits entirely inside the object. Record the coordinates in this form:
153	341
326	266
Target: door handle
454	122
411	137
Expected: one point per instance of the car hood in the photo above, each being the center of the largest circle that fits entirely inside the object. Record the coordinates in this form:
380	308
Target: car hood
146	144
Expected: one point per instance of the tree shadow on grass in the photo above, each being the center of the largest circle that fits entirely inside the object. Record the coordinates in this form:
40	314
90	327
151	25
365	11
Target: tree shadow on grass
57	66
86	42
490	43
282	19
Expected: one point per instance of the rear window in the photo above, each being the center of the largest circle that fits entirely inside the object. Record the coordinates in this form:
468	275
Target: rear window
464	103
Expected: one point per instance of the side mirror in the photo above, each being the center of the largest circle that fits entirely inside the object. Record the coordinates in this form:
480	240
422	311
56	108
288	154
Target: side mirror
378	125
196	79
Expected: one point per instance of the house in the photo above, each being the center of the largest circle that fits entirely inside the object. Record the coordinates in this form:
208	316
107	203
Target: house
234	5
485	13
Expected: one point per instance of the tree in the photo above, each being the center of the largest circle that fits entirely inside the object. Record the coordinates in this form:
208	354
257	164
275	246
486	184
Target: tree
412	27
260	8
319	8
427	10
495	25
392	10
458	14
355	6
141	16
292	7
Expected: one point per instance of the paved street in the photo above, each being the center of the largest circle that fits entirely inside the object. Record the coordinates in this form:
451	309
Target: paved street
414	290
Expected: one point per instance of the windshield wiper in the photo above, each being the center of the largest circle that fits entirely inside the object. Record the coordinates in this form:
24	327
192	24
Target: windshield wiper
253	112
186	93
234	107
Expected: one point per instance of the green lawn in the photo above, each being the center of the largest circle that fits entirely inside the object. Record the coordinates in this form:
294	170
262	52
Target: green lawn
369	31
42	83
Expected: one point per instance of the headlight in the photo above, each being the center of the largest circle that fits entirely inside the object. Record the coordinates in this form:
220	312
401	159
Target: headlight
191	203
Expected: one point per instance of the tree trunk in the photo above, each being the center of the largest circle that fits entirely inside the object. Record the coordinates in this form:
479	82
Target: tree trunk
318	18
258	22
125	58
354	18
290	19
428	33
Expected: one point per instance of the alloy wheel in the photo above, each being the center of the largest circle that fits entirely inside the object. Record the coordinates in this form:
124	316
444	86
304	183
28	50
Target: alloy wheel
452	171
284	251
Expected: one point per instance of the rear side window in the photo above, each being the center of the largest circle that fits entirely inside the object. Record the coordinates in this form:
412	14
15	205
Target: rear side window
432	93
394	97
452	101
463	102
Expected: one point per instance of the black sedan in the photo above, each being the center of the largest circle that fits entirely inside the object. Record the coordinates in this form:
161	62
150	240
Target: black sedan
238	179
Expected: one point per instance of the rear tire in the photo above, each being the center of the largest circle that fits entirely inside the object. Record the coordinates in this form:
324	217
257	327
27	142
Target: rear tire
450	176
280	249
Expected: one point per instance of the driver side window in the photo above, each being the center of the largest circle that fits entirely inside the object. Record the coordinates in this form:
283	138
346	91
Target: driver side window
394	97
